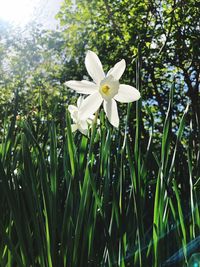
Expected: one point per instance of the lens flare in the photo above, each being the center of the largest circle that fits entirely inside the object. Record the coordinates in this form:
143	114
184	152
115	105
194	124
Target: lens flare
17	11
194	260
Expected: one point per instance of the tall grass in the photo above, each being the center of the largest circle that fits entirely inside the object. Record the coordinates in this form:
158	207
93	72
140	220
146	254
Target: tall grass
108	200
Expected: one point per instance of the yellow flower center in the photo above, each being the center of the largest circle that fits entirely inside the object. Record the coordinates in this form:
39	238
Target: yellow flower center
105	89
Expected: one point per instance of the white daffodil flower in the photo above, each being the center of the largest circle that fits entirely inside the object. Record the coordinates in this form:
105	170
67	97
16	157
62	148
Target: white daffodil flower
104	89
79	123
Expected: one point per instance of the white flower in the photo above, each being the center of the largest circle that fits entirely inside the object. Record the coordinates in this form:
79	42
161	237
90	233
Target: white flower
105	88
79	123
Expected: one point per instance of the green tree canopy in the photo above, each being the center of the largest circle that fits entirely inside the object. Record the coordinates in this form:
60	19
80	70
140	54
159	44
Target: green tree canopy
164	35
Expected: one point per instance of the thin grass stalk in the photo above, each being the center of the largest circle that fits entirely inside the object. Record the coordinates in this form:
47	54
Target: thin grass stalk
160	202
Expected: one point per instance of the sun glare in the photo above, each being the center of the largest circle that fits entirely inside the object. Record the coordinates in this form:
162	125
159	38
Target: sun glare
17	11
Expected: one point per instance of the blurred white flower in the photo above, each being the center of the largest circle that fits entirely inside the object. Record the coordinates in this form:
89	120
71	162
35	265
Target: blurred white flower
105	89
79	123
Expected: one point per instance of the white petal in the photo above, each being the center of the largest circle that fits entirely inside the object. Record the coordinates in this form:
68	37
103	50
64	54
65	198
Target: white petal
110	108
73	112
127	94
79	101
74	127
94	67
83	131
83	127
72	108
82	87
118	70
90	105
83	124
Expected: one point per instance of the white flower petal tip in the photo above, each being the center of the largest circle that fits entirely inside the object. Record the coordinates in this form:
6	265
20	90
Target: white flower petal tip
74	127
118	70
94	67
127	94
72	108
84	132
111	111
79	101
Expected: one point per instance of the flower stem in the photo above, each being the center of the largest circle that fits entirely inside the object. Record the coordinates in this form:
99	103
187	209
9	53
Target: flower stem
93	131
